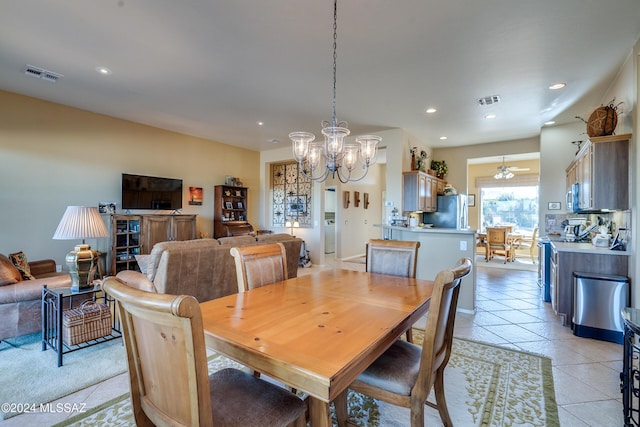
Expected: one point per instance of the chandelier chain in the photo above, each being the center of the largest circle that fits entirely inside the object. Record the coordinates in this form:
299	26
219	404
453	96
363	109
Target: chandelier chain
335	55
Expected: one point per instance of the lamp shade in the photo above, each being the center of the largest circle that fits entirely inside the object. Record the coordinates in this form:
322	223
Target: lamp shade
80	222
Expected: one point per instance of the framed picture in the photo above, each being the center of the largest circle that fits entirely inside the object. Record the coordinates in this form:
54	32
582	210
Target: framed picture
471	198
107	208
239	205
195	195
296	205
228	205
554	206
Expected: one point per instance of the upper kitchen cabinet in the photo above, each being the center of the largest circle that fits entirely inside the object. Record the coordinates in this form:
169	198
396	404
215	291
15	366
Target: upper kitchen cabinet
601	170
420	191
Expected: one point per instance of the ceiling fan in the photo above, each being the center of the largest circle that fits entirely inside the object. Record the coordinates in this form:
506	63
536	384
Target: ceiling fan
506	172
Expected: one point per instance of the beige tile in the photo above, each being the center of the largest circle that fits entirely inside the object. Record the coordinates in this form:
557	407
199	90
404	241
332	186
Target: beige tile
570	390
596	375
513	333
597	414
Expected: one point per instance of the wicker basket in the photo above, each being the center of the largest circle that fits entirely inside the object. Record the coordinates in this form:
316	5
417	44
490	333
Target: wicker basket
88	322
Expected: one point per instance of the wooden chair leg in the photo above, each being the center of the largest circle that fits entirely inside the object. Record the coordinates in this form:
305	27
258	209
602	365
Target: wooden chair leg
340	406
410	335
441	402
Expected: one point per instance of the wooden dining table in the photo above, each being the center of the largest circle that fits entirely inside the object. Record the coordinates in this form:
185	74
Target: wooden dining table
317	332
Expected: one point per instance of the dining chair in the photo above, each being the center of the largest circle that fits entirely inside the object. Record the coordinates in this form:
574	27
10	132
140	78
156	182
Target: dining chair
529	243
393	257
497	242
406	372
259	265
170	384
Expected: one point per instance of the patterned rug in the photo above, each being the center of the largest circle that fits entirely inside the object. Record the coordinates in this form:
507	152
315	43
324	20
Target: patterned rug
485	385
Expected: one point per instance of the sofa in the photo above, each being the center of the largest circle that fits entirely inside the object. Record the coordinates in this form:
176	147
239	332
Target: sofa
203	268
20	297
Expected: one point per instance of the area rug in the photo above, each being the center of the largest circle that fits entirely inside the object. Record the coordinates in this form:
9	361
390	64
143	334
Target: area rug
498	262
485	385
32	376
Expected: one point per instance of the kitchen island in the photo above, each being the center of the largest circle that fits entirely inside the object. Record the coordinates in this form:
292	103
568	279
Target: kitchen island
570	257
440	248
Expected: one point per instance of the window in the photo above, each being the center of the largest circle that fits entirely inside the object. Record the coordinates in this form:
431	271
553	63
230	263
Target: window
516	205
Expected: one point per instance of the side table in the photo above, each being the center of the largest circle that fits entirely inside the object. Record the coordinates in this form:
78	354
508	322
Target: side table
630	375
55	301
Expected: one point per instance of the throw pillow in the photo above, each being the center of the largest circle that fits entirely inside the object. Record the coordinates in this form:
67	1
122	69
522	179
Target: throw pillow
9	274
19	259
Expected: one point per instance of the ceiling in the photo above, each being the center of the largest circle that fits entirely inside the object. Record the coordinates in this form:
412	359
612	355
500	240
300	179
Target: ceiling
216	68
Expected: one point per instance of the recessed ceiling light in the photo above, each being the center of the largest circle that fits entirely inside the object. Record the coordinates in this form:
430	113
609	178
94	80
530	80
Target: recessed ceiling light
443	138
549	123
260	123
557	86
431	110
274	141
490	116
104	71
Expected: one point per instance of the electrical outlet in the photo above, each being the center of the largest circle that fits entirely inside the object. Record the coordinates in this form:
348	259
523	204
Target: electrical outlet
463	245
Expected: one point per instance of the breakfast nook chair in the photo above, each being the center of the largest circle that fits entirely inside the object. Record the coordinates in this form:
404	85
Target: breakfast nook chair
168	374
497	242
393	257
259	265
406	372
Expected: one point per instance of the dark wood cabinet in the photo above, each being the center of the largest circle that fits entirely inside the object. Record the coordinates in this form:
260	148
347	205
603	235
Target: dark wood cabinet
230	211
601	170
162	228
136	234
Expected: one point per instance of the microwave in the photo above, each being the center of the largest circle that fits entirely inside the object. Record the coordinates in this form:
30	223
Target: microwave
573	198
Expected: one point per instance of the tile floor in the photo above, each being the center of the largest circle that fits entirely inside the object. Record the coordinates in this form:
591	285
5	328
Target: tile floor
510	312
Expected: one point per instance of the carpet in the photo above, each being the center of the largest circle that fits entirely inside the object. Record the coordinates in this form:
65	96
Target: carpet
498	262
30	375
485	385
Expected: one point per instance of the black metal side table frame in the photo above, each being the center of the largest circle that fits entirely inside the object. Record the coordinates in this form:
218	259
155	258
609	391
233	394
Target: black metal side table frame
630	375
53	305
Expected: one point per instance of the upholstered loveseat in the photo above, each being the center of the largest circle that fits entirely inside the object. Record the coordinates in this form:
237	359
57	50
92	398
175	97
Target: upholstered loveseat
203	268
20	307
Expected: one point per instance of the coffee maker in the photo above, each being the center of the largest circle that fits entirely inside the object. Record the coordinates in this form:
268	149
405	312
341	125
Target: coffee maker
572	232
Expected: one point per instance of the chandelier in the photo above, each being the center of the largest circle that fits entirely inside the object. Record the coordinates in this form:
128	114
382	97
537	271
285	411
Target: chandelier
504	172
334	157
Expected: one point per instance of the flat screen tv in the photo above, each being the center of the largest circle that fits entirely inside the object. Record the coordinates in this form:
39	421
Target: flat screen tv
150	192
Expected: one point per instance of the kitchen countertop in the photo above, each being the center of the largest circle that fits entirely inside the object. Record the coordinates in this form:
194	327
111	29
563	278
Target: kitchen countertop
587	248
427	230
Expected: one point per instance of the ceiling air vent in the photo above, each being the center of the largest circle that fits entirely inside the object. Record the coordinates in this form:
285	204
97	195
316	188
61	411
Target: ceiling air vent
40	73
489	100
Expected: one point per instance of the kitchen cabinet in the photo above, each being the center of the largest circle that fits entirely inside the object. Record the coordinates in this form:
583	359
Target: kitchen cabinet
565	261
601	170
420	191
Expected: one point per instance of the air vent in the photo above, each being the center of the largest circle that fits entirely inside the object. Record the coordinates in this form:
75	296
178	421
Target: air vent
489	100
40	73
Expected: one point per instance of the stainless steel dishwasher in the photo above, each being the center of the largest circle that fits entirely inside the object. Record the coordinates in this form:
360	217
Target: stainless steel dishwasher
597	302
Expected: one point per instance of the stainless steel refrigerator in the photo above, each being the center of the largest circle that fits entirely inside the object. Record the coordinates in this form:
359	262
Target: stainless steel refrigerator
451	213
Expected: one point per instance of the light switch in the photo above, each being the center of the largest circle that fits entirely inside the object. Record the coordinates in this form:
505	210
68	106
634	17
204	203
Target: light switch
463	245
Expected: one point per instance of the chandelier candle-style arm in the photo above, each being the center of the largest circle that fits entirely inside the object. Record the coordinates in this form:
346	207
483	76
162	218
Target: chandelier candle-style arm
335	157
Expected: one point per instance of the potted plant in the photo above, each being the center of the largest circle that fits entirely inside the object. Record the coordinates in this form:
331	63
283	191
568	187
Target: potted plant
440	167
